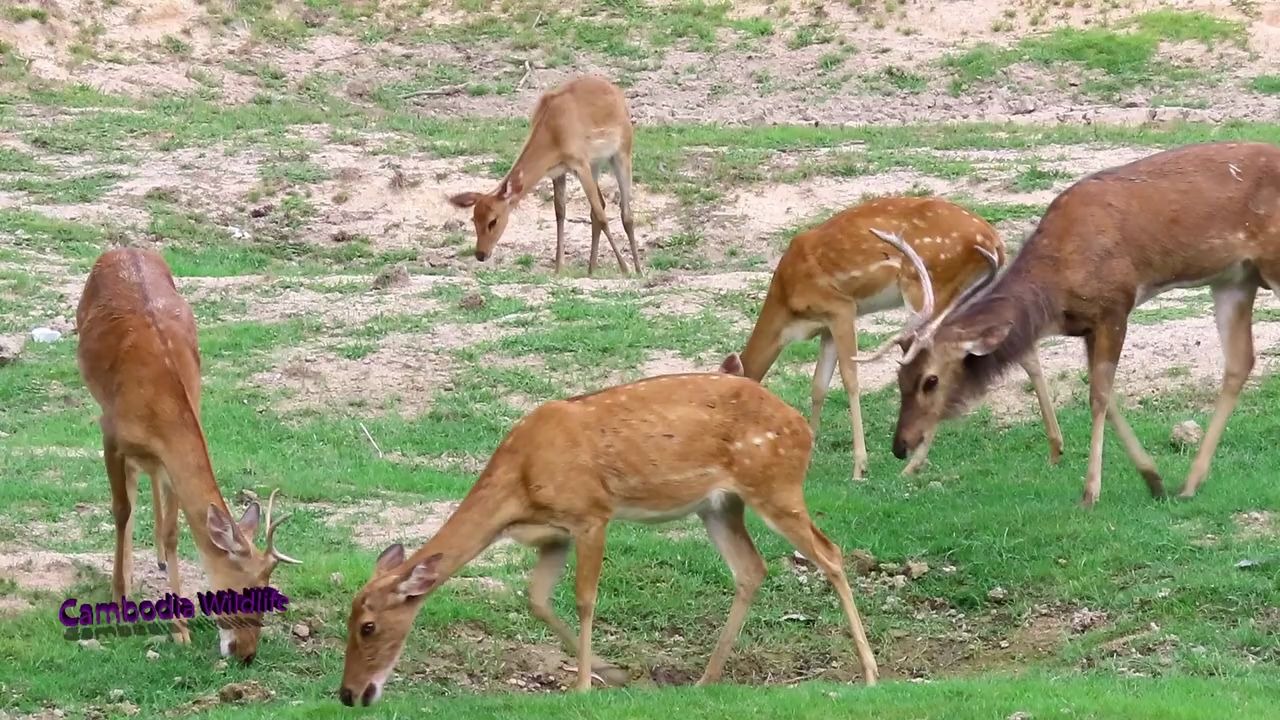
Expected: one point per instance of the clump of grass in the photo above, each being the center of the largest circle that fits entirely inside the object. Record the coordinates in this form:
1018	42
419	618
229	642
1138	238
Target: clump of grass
893	78
1268	84
1035	177
19	13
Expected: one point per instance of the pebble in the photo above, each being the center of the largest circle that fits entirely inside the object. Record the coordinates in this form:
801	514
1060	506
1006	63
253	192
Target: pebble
45	335
1186	435
301	631
91	644
997	594
153	655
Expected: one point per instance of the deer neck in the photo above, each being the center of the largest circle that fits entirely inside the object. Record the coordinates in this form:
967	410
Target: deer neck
185	457
481	518
766	339
536	160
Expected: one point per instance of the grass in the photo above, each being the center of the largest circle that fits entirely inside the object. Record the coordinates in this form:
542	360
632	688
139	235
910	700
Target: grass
1267	84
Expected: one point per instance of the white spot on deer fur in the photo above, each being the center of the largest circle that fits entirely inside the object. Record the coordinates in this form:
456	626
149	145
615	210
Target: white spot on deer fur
919	223
770	435
757	440
737	445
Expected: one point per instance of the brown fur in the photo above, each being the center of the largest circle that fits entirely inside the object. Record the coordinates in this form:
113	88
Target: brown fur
1205	214
648	451
139	357
830	273
576	128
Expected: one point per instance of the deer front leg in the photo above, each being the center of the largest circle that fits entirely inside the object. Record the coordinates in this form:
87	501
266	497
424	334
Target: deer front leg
845	333
546	573
1031	364
558	194
1233	309
590	551
587	176
167	513
622	172
1103	347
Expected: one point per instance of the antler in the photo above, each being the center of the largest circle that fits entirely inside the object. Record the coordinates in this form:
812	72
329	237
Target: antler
271	532
926	284
926	335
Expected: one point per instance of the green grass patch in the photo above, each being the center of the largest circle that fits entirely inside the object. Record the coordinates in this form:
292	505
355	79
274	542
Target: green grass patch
1268	84
64	191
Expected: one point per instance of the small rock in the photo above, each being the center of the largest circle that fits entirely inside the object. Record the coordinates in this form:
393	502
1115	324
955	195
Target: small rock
45	335
116	695
471	301
1004	644
1024	105
394	276
800	560
126	708
220	665
864	563
796	617
1085	619
91	644
1020	715
262	210
935	485
1186	435
335	578
916	570
153	655
997	594
1199	650
301	631
10	348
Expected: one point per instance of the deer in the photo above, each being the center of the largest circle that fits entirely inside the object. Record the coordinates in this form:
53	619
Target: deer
577	127
1200	215
852	265
139	357
650	451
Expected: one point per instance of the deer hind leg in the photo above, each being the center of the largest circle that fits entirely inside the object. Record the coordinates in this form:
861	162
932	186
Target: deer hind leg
590	551
1233	309
622	172
158	511
786	514
1103	346
587	175
124	502
546	573
558	188
845	333
823	371
1031	364
728	531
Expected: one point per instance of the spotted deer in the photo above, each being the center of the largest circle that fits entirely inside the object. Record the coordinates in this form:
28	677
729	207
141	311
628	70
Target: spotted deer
139	357
1200	215
649	451
852	265
576	128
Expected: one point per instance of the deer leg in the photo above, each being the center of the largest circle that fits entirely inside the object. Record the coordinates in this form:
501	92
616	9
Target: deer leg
558	193
158	511
921	454
1141	460
622	172
587	176
790	519
1233	309
167	531
543	579
822	374
845	333
728	531
1031	364
589	542
124	501
1103	347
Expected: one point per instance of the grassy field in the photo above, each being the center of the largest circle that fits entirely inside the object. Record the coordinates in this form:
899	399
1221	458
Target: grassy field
291	160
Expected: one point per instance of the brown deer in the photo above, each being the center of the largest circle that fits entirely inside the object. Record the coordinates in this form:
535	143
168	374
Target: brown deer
139	357
851	265
576	128
1200	215
649	451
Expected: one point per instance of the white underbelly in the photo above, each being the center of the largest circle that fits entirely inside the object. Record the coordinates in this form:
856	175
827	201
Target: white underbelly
1235	273
652	516
888	298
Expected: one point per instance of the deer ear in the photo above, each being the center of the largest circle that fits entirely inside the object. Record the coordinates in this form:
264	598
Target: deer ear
464	200
732	365
514	185
390	558
222	531
986	340
250	520
422	578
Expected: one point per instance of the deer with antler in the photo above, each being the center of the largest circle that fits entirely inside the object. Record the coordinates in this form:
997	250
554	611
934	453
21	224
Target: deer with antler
138	354
578	128
650	451
852	265
1200	215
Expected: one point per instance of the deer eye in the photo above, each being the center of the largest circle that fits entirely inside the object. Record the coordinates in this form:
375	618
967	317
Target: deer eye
930	384
366	629
493	223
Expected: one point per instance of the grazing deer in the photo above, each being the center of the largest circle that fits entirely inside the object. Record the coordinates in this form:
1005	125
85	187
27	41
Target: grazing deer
846	267
1200	215
576	128
650	451
139	357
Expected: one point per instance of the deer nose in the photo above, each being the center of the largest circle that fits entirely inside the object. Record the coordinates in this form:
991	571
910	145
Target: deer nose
899	448
481	255
345	696
369	692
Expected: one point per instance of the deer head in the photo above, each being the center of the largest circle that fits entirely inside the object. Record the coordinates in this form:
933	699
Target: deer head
382	614
490	211
241	565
